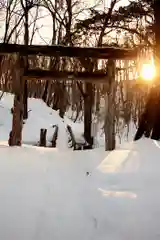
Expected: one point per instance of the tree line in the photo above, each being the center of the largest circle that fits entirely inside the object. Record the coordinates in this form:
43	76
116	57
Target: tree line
77	24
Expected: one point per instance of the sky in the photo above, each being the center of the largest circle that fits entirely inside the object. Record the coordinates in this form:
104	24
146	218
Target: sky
107	3
44	33
45	30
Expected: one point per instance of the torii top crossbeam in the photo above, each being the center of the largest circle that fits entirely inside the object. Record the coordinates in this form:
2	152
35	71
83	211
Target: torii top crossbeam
62	51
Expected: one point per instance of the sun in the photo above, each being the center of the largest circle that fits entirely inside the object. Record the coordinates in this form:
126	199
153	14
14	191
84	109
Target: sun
148	72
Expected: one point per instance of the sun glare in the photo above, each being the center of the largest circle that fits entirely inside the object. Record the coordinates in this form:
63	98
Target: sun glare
148	71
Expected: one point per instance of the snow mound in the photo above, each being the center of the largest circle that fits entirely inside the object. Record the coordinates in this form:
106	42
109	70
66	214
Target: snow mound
40	116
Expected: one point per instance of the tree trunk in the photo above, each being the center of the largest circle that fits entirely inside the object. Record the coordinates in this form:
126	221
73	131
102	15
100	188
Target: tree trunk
156	126
149	123
149	116
17	122
157	34
98	99
45	94
88	103
109	126
25	101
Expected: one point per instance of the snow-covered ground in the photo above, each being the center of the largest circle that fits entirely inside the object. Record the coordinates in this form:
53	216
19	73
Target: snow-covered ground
60	194
41	116
50	194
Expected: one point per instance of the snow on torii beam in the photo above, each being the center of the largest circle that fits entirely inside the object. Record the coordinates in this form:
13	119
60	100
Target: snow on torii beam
65	51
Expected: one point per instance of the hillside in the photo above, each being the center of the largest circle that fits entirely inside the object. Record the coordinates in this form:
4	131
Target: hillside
40	116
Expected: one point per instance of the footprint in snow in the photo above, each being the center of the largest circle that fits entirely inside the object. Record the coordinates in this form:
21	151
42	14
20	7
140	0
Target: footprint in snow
88	174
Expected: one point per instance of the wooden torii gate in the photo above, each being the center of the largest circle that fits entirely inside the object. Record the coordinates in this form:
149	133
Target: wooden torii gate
22	74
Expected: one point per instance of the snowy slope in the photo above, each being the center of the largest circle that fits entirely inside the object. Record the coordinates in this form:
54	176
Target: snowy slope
40	116
50	194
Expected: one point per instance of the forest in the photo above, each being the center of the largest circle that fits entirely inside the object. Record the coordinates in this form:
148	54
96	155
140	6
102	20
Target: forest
104	92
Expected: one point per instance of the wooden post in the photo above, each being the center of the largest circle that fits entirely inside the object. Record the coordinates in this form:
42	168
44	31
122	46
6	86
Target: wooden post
74	144
109	125
18	87
43	133
55	135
